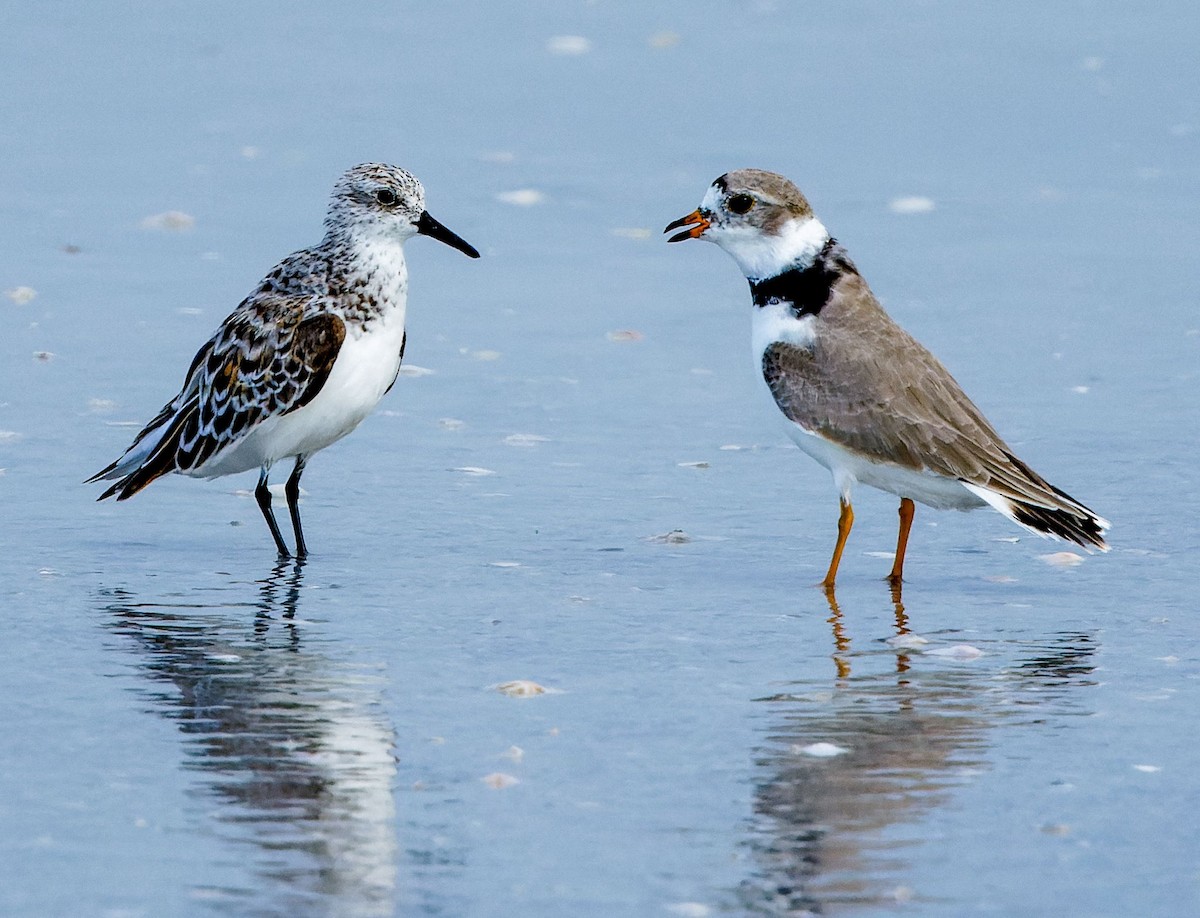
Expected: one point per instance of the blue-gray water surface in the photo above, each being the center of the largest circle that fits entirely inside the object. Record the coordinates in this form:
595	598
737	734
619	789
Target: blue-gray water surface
572	484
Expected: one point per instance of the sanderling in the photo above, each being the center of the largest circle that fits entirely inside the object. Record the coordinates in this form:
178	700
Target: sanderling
303	359
857	393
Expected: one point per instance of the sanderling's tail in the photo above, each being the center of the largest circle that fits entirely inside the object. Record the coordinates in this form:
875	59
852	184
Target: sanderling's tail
151	455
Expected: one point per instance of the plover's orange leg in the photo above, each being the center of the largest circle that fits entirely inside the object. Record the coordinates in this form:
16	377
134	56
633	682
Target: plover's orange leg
907	509
845	521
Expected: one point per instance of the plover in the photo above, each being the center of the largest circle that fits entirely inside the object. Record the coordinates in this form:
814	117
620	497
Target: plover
304	358
856	391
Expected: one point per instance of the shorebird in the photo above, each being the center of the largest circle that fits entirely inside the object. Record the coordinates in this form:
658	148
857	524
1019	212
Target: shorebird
857	392
303	359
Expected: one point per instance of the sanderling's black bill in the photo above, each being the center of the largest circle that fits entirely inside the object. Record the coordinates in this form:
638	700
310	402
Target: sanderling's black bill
427	226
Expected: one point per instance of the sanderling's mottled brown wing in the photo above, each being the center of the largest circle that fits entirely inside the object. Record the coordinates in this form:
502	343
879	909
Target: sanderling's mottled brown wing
270	357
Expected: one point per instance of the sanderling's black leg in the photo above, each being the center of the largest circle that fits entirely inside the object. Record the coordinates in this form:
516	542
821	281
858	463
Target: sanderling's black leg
292	491
263	495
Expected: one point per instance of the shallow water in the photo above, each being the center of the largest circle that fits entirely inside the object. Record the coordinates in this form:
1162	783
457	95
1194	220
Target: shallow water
193	728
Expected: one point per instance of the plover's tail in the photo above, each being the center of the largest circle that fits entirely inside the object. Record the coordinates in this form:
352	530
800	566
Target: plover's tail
1083	527
1037	505
151	455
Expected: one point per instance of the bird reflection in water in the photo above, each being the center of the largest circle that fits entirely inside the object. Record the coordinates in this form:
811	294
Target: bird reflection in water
288	740
841	642
846	767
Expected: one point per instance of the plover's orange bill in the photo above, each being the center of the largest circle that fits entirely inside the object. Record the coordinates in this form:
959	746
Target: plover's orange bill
858	393
304	359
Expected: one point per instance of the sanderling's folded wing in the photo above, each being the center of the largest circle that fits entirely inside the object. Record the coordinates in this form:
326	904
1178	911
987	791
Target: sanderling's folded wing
270	357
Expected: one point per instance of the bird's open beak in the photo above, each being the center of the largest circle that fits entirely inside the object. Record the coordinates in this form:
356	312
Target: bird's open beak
696	220
427	226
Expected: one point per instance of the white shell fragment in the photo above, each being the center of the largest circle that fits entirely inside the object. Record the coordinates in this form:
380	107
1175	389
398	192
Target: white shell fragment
913	204
625	335
521	197
568	45
498	780
957	652
171	221
520	439
519	688
513	754
21	295
1062	559
907	641
674	537
689	909
820	750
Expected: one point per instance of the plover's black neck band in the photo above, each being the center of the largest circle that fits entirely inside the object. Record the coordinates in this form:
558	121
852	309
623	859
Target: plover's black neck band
806	290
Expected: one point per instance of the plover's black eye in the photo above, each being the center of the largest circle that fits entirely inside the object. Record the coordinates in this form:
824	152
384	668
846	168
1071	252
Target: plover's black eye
385	197
739	203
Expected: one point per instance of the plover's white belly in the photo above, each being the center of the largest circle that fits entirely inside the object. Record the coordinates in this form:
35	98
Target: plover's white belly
849	467
365	367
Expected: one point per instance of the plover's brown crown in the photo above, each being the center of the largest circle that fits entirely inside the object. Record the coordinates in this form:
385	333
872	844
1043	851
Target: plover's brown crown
775	199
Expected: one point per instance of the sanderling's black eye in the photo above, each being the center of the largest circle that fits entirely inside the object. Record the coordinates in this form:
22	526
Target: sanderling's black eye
385	197
739	203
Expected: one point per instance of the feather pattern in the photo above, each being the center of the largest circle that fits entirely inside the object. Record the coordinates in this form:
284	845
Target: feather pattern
270	357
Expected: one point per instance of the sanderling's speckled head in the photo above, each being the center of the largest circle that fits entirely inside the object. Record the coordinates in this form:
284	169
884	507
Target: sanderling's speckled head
381	199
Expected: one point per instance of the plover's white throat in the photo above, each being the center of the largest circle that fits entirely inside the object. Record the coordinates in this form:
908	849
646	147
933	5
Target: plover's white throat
857	393
304	359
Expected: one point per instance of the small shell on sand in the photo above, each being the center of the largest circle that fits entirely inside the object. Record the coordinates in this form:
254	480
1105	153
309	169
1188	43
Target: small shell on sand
820	750
498	780
1062	559
519	688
